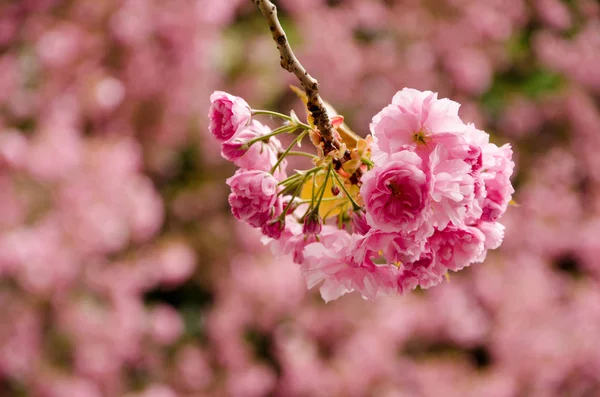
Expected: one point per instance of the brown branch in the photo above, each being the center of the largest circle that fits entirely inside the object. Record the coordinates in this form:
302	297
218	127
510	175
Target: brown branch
289	62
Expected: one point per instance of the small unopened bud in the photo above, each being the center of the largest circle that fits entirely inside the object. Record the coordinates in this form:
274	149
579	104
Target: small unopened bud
313	223
234	149
274	227
335	190
359	223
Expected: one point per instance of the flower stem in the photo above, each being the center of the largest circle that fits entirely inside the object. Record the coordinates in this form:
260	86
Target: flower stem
280	130
282	156
303	154
298	190
324	187
282	116
355	206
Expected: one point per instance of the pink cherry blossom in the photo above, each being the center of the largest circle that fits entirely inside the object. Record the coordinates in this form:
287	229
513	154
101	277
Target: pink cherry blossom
333	264
452	191
253	196
227	115
425	272
497	170
259	156
456	248
396	193
413	119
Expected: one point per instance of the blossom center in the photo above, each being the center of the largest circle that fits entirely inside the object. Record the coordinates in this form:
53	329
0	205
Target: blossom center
420	137
395	189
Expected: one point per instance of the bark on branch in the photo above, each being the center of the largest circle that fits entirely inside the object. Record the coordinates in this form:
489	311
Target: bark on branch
289	62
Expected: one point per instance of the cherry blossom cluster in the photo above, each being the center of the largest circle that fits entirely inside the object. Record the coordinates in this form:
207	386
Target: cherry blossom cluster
420	196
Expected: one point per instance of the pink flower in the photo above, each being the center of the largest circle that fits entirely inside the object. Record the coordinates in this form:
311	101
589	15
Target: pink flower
413	119
333	263
493	232
452	191
396	248
227	114
497	169
457	248
424	272
396	193
253	196
166	325
260	155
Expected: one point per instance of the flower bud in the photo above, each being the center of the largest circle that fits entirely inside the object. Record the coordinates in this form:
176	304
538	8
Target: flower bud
335	190
274	228
227	115
313	224
359	223
233	149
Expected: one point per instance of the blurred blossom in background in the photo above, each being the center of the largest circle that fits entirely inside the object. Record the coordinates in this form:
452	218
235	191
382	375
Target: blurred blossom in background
122	272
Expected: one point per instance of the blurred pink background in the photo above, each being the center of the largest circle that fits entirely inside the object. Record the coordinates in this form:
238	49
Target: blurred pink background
122	272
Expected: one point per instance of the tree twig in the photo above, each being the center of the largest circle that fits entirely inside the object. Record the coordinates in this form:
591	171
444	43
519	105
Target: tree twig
289	62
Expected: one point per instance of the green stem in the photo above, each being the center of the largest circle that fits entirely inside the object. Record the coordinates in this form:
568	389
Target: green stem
282	116
325	199
324	187
280	130
274	114
312	156
282	156
298	189
355	206
297	176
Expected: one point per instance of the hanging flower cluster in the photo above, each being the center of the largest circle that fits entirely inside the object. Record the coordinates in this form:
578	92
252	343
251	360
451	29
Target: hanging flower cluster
382	215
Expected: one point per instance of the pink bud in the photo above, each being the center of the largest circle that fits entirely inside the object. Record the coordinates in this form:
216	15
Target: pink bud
359	223
274	228
335	190
313	224
227	114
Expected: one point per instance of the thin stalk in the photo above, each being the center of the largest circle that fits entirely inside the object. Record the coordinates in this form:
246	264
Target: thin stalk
355	206
294	142
282	116
312	156
297	176
274	114
280	130
324	187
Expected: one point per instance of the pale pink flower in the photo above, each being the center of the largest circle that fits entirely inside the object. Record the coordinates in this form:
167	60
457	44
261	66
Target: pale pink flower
335	263
413	119
396	193
456	248
425	272
260	155
253	196
227	115
175	263
166	326
393	248
493	232
13	149
497	170
291	241
452	189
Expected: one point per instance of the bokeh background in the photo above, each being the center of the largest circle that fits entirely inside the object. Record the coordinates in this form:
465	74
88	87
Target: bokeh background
122	272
